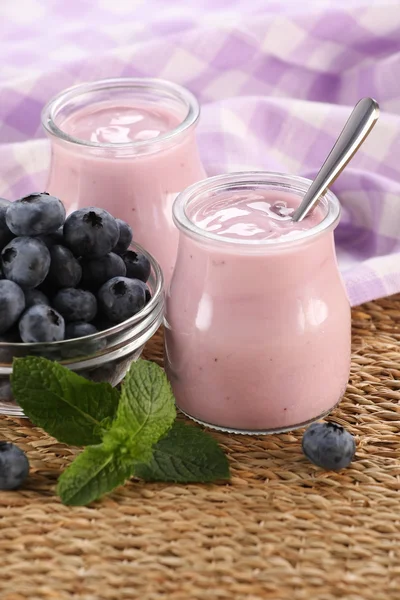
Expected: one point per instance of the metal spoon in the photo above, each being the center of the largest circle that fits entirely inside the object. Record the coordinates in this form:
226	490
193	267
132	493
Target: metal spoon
364	116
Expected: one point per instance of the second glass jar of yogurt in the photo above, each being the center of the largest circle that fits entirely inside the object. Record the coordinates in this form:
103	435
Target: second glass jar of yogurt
127	145
257	335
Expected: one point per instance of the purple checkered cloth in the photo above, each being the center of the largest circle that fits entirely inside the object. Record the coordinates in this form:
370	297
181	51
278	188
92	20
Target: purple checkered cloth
276	81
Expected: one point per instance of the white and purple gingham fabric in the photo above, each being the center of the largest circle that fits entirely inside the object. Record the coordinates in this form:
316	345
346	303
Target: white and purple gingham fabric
276	81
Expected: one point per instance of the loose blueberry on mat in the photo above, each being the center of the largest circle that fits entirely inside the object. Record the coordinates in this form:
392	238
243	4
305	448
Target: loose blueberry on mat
75	305
137	265
5	234
97	271
91	232
14	466
121	298
329	446
65	270
79	329
33	297
125	237
35	214
12	303
41	323
26	261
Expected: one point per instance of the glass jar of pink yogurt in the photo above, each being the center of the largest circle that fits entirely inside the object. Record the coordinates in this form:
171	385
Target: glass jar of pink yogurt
127	145
257	327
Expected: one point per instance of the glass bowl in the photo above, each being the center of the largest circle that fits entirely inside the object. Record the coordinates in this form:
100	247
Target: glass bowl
103	356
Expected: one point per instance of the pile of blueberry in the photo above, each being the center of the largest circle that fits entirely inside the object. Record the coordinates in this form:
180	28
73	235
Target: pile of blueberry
64	278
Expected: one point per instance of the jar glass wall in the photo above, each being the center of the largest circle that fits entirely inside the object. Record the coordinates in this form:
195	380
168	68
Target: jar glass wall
257	332
126	145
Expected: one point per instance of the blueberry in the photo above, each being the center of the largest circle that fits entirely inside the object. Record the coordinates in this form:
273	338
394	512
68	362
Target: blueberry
329	446
33	297
5	234
91	232
14	466
75	305
41	323
12	303
26	261
97	271
137	265
35	214
65	270
79	329
125	237
50	239
146	290
121	298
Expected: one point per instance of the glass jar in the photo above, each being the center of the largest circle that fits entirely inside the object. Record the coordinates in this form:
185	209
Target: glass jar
103	356
127	145
257	333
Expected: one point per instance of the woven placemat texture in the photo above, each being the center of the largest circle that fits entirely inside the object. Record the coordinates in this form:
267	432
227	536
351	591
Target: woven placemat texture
282	529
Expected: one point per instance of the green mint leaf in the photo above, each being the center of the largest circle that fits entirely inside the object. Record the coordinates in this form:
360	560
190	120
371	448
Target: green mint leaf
185	455
95	472
68	407
146	411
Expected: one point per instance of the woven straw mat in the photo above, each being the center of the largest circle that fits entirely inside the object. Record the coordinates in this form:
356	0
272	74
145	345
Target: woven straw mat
282	529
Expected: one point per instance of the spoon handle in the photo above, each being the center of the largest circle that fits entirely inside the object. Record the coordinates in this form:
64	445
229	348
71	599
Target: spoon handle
359	124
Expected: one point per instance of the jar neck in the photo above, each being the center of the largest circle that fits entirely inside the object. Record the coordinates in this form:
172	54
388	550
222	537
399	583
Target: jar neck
147	92
205	195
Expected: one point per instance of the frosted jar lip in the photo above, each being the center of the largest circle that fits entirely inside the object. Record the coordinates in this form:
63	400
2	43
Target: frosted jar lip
139	321
143	84
242	180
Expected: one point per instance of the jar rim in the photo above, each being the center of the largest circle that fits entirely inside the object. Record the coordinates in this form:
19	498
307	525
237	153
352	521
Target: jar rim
155	85
244	179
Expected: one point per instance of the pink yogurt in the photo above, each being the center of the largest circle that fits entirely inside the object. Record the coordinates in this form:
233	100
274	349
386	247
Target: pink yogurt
126	145
258	322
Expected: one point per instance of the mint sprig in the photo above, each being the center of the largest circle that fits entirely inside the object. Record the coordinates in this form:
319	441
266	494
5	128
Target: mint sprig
96	471
145	412
185	455
67	406
128	433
